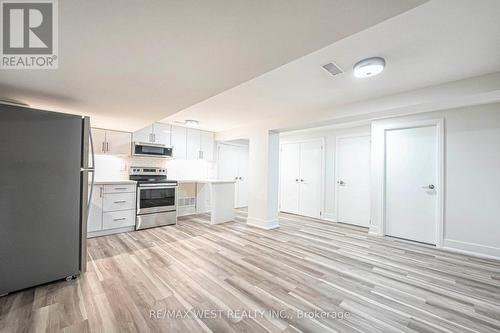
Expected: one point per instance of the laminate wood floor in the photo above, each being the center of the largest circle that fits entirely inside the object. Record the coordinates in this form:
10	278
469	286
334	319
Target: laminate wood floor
306	276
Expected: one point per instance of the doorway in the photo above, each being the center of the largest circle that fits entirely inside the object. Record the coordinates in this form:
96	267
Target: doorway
301	177
411	170
232	162
353	179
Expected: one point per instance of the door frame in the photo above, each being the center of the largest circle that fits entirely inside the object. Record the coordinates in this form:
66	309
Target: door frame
336	166
379	172
321	140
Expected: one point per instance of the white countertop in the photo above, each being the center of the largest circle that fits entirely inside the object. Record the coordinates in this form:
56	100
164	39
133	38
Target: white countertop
180	181
205	181
115	182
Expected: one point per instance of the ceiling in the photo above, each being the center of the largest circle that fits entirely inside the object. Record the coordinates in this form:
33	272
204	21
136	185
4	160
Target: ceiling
437	42
128	63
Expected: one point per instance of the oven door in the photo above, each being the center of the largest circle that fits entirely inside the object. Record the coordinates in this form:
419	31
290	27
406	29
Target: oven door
155	198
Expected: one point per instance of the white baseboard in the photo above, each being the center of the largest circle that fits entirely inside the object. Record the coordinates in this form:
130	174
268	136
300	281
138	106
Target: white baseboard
329	217
374	230
472	249
262	224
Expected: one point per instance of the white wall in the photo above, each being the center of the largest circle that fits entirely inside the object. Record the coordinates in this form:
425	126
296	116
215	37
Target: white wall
472	177
263	179
116	167
330	136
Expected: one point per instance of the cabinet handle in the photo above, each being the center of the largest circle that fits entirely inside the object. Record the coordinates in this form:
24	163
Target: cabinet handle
100	192
121	201
107	146
120	219
103	148
120	188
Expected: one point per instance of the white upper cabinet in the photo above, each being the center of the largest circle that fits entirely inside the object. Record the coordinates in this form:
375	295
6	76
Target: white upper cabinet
111	142
143	135
157	133
207	143
179	137
162	134
193	144
99	139
200	145
186	143
118	143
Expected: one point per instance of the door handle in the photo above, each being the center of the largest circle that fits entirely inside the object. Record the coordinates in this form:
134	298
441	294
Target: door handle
429	187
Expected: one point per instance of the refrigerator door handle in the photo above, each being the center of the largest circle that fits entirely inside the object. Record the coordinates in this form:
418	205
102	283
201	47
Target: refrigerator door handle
92	151
87	168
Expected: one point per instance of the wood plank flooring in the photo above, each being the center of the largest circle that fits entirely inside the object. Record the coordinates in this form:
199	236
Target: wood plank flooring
306	276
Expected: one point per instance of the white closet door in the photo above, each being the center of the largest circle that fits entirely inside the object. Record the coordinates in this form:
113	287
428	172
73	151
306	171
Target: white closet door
290	176
411	184
227	166
353	180
242	183
227	163
310	178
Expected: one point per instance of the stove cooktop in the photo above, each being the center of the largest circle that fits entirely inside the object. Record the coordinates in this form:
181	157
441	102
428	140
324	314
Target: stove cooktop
150	175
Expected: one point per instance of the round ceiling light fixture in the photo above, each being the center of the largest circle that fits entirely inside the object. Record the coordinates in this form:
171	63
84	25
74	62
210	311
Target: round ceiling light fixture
369	67
191	123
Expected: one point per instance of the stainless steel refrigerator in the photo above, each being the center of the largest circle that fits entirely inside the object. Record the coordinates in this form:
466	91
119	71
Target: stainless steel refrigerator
44	196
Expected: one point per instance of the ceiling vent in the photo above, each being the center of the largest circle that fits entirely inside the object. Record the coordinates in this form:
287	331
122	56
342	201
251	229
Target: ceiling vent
333	69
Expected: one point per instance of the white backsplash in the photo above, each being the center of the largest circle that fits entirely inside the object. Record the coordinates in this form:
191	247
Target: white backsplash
116	167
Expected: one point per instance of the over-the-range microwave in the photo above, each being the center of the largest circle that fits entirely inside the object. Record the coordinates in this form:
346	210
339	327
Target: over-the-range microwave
151	149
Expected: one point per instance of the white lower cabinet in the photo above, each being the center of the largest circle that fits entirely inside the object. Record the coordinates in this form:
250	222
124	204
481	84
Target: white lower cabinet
112	209
118	201
94	222
119	219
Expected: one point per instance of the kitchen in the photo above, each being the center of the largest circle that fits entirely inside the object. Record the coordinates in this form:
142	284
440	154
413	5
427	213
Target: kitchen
150	177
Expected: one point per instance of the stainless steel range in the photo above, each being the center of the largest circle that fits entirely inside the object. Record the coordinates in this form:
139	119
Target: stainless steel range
156	197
